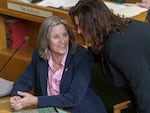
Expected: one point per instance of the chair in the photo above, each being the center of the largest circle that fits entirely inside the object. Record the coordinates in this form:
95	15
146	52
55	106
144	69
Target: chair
121	106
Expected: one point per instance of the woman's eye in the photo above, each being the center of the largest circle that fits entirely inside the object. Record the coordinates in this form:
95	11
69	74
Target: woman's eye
65	34
55	37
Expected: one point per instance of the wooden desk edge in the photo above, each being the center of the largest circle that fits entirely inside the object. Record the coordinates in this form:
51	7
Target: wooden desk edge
4	111
5	100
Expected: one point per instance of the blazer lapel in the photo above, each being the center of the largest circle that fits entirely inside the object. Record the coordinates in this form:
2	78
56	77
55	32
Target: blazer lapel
43	70
65	72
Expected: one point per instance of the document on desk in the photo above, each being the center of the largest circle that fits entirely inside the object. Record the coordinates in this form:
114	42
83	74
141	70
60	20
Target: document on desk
42	110
125	9
57	3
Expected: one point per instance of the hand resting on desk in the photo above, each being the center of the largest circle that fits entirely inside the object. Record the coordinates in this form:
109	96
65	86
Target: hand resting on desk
24	100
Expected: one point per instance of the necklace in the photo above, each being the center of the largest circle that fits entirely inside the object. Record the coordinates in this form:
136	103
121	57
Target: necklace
55	67
56	63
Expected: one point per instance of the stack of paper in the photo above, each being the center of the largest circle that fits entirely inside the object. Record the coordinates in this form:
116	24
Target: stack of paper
114	6
125	10
58	3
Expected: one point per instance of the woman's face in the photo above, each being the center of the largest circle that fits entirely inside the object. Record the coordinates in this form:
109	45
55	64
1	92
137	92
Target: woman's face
85	35
59	40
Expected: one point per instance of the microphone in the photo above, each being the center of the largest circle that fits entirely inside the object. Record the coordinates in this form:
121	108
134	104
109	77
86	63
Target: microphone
26	39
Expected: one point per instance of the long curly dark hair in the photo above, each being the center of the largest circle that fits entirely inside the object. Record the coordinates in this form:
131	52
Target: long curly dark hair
99	21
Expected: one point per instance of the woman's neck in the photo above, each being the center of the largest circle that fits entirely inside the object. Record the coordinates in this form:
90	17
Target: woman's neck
56	62
57	58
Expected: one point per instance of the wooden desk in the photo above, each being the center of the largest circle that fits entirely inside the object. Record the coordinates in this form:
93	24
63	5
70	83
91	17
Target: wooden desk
4	111
4	103
141	17
5	106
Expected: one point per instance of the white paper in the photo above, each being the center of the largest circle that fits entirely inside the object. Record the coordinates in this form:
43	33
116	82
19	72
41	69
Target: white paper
130	11
126	9
58	3
114	6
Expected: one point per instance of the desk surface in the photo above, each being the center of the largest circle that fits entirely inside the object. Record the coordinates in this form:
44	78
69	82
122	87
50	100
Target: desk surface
4	111
5	106
4	103
141	17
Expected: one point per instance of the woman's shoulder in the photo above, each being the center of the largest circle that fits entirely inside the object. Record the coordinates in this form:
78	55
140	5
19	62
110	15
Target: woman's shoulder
36	53
82	54
82	50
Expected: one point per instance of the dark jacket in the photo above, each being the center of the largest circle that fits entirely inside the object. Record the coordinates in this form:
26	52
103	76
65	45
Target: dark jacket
76	93
127	62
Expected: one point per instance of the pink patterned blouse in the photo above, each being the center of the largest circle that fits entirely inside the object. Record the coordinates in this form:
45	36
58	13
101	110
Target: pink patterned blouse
54	78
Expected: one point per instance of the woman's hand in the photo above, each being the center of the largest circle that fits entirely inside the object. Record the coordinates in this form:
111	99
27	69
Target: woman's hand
13	101
27	100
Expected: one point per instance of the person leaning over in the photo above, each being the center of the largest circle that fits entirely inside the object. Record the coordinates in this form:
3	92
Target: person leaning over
122	46
60	71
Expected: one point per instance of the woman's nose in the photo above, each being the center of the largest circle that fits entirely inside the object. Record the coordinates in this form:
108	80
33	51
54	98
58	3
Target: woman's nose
62	39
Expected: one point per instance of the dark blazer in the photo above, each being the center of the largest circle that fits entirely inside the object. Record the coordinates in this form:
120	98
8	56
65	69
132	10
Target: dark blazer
127	59
76	92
